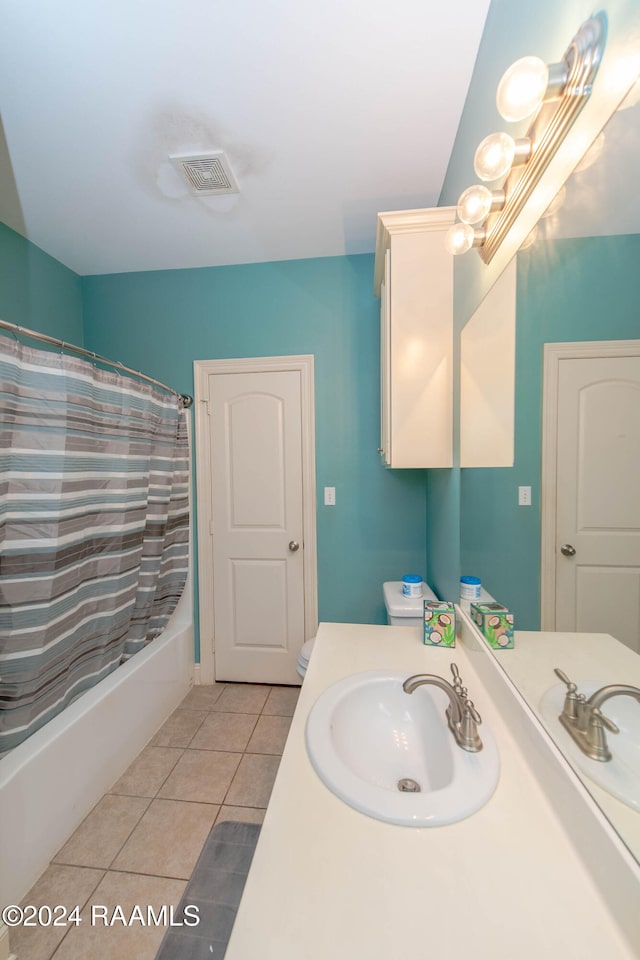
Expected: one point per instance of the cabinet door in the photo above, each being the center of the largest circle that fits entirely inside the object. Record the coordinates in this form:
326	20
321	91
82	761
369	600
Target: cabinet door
420	351
385	362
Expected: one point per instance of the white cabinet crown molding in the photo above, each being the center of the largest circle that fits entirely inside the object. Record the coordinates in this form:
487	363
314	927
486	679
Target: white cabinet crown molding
406	221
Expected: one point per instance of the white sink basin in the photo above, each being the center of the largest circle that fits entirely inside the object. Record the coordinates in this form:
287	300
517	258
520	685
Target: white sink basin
365	735
619	776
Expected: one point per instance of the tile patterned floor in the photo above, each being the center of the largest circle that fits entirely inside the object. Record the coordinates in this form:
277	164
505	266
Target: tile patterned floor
214	759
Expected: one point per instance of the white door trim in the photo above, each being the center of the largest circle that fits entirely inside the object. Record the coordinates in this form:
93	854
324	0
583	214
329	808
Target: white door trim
202	370
553	354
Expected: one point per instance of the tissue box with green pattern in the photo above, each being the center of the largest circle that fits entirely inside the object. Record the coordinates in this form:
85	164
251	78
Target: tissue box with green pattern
439	623
496	624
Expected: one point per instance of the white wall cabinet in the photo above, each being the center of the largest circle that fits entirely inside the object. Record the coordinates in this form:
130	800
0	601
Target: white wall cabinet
414	278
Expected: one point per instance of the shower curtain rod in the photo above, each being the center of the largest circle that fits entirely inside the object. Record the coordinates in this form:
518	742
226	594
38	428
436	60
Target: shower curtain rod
14	328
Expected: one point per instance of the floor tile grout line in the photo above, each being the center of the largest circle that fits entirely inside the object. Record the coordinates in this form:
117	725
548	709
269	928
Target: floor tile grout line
184	750
196	731
89	867
84	904
143	873
146	795
132	830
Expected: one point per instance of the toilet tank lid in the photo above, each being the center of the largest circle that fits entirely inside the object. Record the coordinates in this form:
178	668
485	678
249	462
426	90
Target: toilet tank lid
399	606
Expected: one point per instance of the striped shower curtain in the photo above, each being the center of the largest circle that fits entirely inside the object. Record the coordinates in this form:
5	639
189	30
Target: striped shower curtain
94	527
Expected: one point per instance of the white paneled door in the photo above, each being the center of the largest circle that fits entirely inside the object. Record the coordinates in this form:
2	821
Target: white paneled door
256	500
597	521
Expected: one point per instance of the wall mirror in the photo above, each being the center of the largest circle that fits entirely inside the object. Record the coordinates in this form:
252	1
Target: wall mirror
577	279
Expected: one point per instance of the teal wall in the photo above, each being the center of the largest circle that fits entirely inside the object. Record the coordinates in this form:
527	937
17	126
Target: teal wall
443	532
568	290
160	322
37	291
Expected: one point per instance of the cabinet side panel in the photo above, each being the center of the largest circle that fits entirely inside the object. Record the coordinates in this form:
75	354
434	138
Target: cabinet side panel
421	350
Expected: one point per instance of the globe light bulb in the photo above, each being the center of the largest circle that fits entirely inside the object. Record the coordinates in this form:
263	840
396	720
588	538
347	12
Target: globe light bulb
459	238
494	156
522	88
474	204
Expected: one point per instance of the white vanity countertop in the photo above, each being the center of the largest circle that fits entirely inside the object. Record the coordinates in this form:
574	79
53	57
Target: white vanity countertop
329	882
583	657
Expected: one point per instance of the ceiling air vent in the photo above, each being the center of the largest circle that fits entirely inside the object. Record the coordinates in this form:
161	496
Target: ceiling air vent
206	173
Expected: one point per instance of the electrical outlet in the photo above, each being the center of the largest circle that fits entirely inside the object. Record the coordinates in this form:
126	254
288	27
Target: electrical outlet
524	496
329	496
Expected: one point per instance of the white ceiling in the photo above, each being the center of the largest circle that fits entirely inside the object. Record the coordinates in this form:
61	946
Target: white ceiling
329	112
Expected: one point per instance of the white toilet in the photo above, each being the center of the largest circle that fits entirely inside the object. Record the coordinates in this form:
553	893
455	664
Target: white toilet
405	611
401	612
304	656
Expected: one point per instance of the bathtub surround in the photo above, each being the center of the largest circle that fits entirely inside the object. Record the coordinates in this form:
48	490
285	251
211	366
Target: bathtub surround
95	525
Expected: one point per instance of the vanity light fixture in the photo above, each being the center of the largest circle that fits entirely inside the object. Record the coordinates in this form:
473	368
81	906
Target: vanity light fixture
555	94
498	153
477	202
527	84
461	237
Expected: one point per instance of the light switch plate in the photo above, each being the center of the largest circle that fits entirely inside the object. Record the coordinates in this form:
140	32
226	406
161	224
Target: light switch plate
524	496
329	496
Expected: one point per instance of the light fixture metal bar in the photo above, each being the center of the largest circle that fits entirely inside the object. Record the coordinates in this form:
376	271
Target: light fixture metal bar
549	129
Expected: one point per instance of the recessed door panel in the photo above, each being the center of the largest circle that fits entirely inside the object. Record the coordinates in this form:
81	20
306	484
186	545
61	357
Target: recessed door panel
608	434
256	459
259	602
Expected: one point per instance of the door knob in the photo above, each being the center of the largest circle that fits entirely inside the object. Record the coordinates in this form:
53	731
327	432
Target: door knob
567	550
293	545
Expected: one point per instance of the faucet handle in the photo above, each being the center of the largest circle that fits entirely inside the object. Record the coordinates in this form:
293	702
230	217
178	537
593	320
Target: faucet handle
573	701
571	686
604	720
469	727
457	680
470	710
596	745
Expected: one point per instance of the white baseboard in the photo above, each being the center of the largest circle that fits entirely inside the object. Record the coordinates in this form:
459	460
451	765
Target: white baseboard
203	674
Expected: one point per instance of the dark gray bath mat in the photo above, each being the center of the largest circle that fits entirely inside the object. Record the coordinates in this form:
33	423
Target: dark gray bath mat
215	888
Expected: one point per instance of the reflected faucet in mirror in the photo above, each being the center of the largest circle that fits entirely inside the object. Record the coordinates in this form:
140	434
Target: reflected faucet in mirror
584	720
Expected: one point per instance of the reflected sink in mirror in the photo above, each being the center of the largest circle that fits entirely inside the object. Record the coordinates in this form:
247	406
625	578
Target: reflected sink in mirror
372	744
619	776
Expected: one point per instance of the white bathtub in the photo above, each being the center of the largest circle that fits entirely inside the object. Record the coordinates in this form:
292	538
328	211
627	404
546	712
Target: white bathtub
49	783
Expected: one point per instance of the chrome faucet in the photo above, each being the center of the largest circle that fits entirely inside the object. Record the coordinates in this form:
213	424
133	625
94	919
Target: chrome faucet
462	716
584	720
